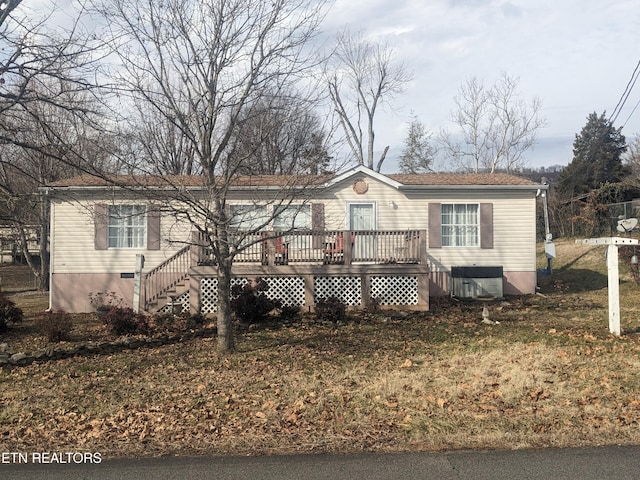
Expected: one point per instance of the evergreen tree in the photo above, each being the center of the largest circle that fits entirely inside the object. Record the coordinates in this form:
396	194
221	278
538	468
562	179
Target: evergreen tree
597	158
418	153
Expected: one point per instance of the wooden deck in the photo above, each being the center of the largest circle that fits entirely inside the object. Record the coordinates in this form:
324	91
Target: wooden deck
388	268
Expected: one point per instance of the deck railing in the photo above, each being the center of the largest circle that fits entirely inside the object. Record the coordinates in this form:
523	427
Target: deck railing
387	246
322	247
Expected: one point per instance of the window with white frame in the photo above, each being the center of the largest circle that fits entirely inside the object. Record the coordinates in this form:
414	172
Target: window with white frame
292	217
127	226
460	225
248	217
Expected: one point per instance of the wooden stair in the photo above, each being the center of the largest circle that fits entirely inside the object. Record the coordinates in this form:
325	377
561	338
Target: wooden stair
161	302
167	280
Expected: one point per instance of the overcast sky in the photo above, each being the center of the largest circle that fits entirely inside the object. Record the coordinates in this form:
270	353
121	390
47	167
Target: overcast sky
577	56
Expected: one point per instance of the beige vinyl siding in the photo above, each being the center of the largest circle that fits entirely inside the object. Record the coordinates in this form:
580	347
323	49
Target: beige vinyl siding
514	214
514	233
73	247
399	216
513	230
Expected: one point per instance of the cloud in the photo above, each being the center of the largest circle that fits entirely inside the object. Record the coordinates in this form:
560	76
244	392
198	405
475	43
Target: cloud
511	10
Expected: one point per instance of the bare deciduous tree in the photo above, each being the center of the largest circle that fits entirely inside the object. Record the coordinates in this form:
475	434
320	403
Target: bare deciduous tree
50	143
161	147
496	127
198	66
274	136
45	116
6	7
41	63
362	75
631	157
282	136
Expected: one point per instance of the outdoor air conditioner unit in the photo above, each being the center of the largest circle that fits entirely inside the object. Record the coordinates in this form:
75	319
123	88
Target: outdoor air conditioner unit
473	282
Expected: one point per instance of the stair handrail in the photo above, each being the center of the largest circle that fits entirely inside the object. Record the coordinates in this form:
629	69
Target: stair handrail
162	278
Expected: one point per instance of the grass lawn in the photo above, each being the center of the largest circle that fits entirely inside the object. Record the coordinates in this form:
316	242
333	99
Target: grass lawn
549	374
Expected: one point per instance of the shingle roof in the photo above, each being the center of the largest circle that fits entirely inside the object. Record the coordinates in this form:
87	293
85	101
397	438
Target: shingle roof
460	179
88	180
160	181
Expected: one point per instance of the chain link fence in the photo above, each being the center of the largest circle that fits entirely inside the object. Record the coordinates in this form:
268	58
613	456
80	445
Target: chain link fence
17	278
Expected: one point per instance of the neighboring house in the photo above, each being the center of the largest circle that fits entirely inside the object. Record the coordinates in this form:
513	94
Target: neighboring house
11	247
363	237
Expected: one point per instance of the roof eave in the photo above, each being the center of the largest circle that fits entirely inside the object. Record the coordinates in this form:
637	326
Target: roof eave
170	188
474	187
361	169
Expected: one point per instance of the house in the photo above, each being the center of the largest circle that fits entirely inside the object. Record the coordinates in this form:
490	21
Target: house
11	250
362	236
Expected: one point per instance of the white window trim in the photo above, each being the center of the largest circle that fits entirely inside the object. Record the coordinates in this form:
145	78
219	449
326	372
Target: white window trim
299	207
477	225
143	226
254	221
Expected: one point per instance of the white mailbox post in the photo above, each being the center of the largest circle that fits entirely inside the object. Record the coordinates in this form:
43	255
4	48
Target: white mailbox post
613	275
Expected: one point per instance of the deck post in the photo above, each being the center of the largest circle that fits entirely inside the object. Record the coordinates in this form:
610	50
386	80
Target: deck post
424	259
194	294
347	247
195	252
423	289
309	300
271	251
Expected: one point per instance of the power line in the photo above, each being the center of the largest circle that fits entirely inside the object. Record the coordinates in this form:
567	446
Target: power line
632	112
625	94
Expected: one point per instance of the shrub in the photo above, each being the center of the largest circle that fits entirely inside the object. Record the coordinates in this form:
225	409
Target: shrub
331	309
165	322
195	321
55	325
9	313
289	313
124	321
179	322
250	304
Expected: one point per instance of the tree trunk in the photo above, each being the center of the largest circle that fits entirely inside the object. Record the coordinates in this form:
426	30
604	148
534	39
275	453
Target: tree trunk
225	326
35	268
382	157
44	246
44	265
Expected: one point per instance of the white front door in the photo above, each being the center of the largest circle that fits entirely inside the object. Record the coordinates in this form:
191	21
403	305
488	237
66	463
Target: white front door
362	217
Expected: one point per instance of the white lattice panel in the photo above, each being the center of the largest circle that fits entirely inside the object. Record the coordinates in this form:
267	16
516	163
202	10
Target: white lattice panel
394	290
209	293
288	289
182	300
347	289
